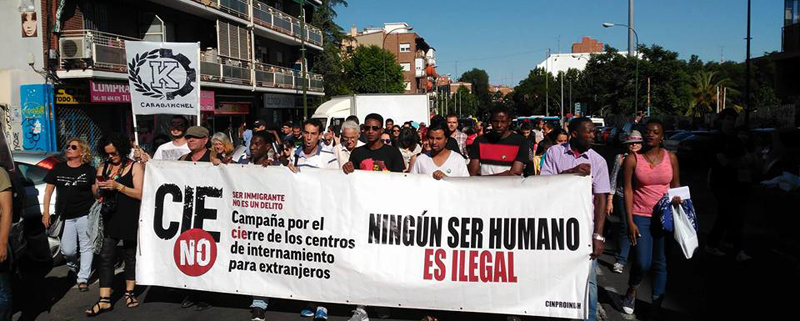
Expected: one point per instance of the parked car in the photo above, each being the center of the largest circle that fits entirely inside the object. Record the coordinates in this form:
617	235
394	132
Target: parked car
33	167
674	140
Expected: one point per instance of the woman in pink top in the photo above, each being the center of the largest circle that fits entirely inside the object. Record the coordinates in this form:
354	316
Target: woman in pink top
649	174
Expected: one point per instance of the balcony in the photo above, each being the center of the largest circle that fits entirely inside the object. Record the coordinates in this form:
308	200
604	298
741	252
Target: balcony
82	49
269	17
284	27
95	54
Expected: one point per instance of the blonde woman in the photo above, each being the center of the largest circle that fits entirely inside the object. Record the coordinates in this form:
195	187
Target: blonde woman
221	149
76	190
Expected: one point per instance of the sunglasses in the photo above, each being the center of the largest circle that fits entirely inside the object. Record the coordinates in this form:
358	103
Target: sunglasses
373	128
72	147
113	154
387	141
396	131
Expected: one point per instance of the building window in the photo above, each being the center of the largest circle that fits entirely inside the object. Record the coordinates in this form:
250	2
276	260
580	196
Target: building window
791	14
406	66
407	85
405	47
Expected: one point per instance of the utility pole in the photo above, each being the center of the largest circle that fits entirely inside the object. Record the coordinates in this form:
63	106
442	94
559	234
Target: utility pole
648	96
303	67
561	75
631	47
547	84
571	105
747	71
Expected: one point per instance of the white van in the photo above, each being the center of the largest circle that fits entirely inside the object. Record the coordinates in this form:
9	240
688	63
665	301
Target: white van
399	107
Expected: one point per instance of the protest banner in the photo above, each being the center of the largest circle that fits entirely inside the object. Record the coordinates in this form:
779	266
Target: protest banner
483	244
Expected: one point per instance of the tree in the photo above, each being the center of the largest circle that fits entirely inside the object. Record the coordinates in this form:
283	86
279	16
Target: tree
371	69
329	63
704	93
480	86
528	97
463	102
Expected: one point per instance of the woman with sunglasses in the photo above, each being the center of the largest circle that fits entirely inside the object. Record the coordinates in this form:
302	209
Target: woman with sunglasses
120	180
408	145
395	133
76	190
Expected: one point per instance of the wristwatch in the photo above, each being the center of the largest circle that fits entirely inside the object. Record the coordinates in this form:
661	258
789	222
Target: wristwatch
599	237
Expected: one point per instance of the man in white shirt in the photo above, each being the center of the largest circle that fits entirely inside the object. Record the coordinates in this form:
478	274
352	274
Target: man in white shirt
177	147
441	162
350	134
311	153
461	138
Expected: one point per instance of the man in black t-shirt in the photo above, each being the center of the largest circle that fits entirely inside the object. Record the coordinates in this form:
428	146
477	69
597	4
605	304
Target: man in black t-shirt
197	140
375	155
500	152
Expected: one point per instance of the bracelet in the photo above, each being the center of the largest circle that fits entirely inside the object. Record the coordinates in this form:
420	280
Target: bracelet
122	189
599	237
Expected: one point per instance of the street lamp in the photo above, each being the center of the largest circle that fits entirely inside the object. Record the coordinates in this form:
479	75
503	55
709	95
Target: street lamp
636	94
383	43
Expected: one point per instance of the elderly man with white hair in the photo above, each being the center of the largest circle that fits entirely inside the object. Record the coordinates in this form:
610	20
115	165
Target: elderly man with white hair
349	141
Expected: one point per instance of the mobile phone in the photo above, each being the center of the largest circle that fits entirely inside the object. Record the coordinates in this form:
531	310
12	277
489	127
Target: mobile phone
100	178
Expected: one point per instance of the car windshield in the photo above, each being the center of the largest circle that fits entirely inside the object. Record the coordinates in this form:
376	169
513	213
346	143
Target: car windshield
32	173
680	136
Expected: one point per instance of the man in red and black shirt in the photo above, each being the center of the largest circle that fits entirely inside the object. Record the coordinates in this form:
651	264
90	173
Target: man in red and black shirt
499	152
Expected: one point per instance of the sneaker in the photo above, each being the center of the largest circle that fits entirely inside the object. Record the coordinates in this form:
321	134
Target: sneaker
202	306
322	314
306	313
259	314
628	304
359	314
714	251
617	268
742	256
188	301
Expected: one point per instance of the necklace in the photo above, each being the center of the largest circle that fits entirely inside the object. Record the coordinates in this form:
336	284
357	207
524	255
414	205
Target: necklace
651	160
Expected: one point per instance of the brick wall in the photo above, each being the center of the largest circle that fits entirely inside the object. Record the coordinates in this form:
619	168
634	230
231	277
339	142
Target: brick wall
587	45
392	44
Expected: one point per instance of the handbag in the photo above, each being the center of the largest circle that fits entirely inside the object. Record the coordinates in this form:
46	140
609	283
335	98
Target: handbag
685	232
56	226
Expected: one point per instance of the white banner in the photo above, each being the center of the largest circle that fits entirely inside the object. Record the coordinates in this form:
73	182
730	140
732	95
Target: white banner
495	245
164	77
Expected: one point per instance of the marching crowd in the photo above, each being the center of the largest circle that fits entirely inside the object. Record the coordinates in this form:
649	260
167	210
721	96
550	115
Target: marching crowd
111	193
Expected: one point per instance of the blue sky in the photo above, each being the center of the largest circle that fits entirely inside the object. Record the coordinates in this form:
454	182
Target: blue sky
509	38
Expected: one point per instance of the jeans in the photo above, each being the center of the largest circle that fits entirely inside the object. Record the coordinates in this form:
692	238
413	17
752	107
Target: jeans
650	255
260	302
108	258
593	292
76	231
623	242
5	296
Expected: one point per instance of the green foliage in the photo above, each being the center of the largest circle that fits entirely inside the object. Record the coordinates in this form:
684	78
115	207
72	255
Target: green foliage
371	69
464	102
480	87
329	63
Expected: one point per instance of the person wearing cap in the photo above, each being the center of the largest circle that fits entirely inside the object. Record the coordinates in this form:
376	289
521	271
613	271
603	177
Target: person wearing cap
197	141
616	200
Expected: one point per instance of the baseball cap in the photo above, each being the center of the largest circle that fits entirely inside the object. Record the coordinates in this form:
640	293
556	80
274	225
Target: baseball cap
197	132
634	137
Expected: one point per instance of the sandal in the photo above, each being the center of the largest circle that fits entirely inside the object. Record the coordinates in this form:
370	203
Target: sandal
130	300
83	287
96	309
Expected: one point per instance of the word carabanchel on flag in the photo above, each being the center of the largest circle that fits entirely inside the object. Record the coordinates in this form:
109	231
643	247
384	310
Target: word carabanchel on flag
164	77
494	245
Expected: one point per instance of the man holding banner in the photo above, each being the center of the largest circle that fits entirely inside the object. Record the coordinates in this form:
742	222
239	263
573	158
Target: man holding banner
577	157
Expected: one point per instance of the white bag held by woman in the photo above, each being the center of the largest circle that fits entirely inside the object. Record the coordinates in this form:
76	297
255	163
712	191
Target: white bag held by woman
685	233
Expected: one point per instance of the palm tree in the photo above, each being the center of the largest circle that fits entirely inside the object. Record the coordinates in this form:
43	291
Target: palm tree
704	93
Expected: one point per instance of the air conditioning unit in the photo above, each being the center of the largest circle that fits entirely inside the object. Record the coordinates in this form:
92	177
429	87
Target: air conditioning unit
75	48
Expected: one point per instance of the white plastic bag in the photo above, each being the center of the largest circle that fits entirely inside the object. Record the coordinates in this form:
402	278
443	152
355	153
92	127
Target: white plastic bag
684	231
